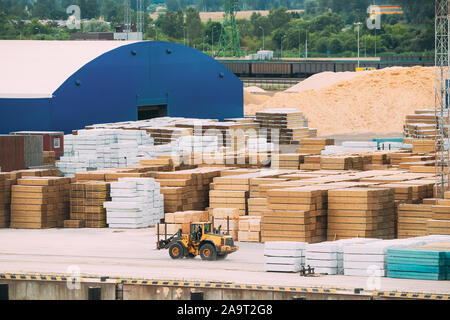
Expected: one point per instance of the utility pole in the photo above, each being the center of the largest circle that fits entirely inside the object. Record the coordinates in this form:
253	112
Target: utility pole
184	33
306	45
358	24
212	41
299	42
281	45
263	36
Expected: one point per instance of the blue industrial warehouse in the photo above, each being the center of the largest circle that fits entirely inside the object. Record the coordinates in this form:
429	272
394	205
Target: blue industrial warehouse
66	85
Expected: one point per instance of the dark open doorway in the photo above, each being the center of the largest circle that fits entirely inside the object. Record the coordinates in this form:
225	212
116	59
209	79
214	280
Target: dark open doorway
150	112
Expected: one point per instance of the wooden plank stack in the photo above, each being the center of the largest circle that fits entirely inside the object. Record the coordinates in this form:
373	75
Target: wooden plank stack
412	220
440	217
341	163
311	163
86	204
175	221
227	219
249	229
290	124
424	146
295	214
5	200
314	145
40	202
288	161
49	158
187	189
361	212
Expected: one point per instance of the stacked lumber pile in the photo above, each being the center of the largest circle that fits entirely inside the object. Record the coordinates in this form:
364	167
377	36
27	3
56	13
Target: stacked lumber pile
40	202
421	125
166	135
439	222
249	229
342	163
5	200
287	161
361	212
412	220
314	145
49	158
175	221
227	219
424	146
290	125
295	214
86	204
187	189
311	163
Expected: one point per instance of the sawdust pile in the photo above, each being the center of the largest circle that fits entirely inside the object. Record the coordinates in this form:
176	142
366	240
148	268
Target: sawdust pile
376	102
254	99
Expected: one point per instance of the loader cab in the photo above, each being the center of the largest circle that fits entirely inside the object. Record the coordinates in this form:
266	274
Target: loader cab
200	229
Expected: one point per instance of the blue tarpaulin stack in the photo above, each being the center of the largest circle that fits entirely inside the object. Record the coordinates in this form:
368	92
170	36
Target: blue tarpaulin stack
429	262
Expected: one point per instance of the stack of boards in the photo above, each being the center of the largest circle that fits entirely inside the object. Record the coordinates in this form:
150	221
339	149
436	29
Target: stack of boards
187	189
175	221
288	125
5	200
49	158
249	229
86	204
427	262
227	219
361	212
314	146
284	256
328	257
136	203
40	202
295	214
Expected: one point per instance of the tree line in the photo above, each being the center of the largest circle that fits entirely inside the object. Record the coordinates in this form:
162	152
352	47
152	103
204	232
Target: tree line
328	25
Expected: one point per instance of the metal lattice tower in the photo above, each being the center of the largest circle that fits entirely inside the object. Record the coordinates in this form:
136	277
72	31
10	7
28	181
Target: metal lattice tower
442	76
127	17
140	16
229	39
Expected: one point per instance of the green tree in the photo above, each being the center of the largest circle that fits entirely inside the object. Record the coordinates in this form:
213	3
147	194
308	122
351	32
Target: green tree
279	18
96	26
193	23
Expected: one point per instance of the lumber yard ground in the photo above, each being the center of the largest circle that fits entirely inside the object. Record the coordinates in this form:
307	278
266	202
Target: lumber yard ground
131	254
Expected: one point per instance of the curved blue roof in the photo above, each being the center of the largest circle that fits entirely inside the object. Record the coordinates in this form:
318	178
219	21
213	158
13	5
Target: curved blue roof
111	87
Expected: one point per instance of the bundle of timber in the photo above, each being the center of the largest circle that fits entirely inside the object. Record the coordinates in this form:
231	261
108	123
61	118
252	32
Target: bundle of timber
314	145
226	220
288	161
361	212
40	202
412	220
182	220
424	146
5	200
426	262
288	126
421	125
86	204
187	189
439	222
311	163
249	229
342	162
284	256
295	214
136	203
49	158
233	191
